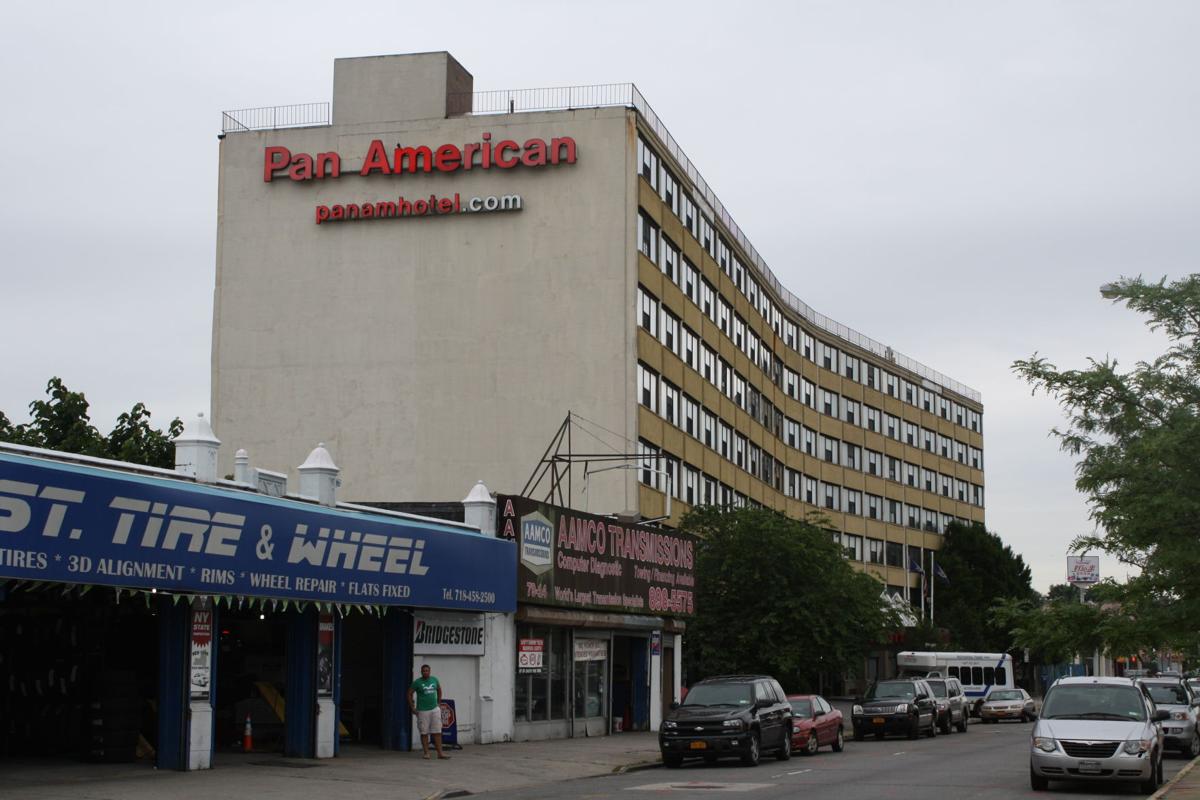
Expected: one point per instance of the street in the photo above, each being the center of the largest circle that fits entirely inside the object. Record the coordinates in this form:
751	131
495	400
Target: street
989	761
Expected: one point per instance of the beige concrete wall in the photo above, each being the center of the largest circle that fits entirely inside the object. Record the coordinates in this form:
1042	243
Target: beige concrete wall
396	87
430	352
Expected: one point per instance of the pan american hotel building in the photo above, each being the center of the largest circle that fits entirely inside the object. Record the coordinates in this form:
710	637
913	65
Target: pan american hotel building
430	279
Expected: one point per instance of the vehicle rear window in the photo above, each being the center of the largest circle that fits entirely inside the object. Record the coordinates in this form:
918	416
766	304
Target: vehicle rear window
1169	694
801	708
882	689
1094	701
720	694
1005	694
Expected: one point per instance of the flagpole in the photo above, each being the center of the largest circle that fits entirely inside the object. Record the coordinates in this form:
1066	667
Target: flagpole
932	582
922	574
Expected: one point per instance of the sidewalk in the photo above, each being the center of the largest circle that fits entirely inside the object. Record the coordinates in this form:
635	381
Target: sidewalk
1184	786
361	773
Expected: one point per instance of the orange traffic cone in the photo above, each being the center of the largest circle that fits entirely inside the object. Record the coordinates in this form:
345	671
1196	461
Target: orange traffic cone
248	737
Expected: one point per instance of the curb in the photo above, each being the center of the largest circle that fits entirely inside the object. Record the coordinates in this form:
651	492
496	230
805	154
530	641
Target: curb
636	766
445	794
1166	787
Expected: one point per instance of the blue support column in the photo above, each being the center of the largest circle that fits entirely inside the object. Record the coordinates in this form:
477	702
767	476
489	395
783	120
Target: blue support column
397	675
300	739
174	634
338	626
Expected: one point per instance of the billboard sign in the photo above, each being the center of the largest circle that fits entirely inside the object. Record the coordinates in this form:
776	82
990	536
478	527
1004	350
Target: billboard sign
71	523
573	560
447	634
1083	569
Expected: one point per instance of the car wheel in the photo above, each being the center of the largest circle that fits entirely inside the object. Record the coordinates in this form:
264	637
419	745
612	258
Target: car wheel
962	723
839	744
946	727
1194	745
933	727
674	762
753	754
914	728
811	746
1150	785
1024	717
1037	782
785	750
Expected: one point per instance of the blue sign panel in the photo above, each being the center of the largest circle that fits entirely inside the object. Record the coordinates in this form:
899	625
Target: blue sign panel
78	524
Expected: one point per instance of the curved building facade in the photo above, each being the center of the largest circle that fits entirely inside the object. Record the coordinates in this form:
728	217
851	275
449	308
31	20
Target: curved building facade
431	279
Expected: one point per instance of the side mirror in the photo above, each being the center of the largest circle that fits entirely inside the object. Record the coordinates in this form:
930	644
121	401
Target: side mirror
1161	714
763	704
674	704
922	697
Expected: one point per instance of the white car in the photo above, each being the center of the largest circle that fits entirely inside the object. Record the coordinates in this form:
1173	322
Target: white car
1182	731
1097	729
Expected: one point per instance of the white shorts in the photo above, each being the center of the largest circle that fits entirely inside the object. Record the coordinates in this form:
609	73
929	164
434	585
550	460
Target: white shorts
429	721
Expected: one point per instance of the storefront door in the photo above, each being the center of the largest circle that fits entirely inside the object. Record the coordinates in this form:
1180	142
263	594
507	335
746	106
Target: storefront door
591	676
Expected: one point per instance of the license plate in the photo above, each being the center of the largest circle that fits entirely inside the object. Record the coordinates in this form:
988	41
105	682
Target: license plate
698	745
877	720
1089	766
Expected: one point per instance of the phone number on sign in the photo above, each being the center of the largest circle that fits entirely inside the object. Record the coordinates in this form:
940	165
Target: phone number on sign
678	601
474	596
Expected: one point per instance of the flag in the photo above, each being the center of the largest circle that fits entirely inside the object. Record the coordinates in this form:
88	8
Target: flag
913	566
941	573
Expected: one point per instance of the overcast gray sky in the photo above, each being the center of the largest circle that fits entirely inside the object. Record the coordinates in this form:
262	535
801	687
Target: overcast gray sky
955	179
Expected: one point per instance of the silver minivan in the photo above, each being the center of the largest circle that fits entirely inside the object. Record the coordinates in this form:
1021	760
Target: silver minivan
1097	729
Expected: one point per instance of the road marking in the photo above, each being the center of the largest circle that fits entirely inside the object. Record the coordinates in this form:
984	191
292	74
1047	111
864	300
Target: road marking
800	772
690	786
902	752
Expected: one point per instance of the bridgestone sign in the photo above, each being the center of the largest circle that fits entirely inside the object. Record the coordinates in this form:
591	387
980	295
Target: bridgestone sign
447	634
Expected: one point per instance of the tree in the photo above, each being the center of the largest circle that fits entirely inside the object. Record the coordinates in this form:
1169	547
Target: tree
776	595
62	423
1137	434
981	569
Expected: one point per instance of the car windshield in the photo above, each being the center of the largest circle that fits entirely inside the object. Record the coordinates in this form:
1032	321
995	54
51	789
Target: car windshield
1004	695
899	689
801	708
1094	701
720	694
1171	694
939	688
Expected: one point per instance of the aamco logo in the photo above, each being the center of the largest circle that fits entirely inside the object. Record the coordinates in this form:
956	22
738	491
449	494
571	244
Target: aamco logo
537	543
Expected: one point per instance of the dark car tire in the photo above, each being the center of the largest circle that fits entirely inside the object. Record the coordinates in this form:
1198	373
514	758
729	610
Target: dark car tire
839	744
1193	746
946	728
962	723
859	735
754	753
1151	784
1037	782
674	762
933	727
785	750
914	728
812	745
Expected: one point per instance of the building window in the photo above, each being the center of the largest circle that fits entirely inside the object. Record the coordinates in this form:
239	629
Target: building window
874	551
871	419
648	381
691	480
833	497
669	262
851	456
709	423
829	449
648	307
927	439
895	512
668	190
850	411
810	490
854	504
853	546
670	403
810	441
691	410
912	474
669	334
910	434
874	463
647	237
891	426
895	554
647	162
874	506
649	468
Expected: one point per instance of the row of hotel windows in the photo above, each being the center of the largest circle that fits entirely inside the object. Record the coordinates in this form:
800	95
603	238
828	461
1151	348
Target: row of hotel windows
666	473
681	410
664	253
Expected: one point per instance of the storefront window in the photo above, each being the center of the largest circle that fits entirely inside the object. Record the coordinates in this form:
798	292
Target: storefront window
591	660
541	693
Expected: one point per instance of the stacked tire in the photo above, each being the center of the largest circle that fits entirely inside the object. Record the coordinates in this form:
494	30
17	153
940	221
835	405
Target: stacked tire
114	718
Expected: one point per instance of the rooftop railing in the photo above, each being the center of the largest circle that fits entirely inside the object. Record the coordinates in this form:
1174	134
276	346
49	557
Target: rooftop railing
269	118
565	98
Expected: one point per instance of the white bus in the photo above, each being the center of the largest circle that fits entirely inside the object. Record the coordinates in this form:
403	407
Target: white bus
978	673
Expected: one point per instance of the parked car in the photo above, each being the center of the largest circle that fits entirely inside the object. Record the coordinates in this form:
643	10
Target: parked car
1007	704
1097	729
730	715
815	723
896	706
1182	731
952	706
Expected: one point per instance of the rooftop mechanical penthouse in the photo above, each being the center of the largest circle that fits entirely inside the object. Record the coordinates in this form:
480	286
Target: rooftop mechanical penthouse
617	289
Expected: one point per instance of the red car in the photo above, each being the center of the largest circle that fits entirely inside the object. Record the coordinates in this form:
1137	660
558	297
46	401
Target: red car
815	724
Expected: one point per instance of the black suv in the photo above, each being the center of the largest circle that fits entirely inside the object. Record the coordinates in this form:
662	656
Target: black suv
952	706
904	705
742	715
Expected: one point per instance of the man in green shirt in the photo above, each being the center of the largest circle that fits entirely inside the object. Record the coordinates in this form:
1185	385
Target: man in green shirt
424	698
